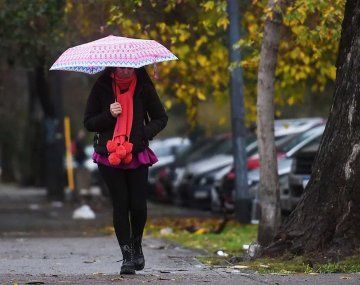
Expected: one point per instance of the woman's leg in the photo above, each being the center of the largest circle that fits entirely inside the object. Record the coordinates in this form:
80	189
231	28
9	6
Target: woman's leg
137	181
116	183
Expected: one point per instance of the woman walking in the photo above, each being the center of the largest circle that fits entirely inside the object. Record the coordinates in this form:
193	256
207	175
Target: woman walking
119	103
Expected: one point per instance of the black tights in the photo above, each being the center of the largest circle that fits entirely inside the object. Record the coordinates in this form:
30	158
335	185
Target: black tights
128	190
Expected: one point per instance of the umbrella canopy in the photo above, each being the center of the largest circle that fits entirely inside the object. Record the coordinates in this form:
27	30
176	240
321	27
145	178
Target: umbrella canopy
113	51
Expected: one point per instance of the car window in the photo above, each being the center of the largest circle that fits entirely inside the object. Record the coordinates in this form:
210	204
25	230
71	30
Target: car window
253	147
208	149
295	140
313	146
195	147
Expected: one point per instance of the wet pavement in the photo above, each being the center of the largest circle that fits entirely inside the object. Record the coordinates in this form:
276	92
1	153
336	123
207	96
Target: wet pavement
97	260
40	244
25	212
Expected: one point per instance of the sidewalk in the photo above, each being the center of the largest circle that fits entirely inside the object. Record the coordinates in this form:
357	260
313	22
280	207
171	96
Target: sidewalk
44	245
96	260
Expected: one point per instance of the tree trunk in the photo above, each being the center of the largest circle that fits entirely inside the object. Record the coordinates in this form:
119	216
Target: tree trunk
269	181
6	159
7	145
31	154
50	95
327	219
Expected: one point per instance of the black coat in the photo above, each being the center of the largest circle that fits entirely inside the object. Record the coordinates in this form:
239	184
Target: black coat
149	116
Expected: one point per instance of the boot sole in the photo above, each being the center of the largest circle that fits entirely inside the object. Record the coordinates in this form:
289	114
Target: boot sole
127	270
139	266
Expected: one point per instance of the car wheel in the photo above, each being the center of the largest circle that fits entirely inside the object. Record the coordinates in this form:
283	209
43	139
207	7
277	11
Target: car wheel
213	203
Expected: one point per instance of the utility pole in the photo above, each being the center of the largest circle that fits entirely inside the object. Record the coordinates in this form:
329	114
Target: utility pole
242	199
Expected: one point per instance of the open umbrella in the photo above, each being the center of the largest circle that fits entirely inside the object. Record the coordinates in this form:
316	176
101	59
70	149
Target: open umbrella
114	51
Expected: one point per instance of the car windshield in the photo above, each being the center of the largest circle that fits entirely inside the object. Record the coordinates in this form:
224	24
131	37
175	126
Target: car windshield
253	147
188	151
217	146
208	147
211	148
286	145
311	147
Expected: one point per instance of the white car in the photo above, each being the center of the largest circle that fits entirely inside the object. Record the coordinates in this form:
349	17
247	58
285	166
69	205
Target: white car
284	163
166	150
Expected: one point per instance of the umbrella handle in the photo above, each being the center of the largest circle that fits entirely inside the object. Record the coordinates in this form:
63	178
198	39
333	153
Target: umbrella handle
114	88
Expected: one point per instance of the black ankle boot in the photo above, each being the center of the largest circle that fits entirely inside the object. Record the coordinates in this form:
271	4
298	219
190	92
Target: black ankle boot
139	260
127	266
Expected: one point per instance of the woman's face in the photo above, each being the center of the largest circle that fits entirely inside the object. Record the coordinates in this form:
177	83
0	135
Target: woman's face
124	72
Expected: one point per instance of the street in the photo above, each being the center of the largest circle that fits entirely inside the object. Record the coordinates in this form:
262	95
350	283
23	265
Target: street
43	245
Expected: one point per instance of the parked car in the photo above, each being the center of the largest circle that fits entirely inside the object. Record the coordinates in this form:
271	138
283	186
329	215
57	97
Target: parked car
284	131
300	173
217	153
166	151
287	127
206	166
288	147
183	181
200	190
168	175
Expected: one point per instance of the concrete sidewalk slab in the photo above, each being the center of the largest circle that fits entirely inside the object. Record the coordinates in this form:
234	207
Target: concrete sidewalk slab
97	260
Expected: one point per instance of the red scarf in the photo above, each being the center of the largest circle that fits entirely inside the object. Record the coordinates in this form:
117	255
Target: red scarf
119	147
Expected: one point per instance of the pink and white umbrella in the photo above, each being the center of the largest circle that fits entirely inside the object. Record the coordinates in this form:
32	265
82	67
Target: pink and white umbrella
113	51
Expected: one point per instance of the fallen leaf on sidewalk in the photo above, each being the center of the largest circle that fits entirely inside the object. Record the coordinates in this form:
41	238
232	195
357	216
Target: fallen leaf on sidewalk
240	266
345	277
264	266
109	230
201	231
